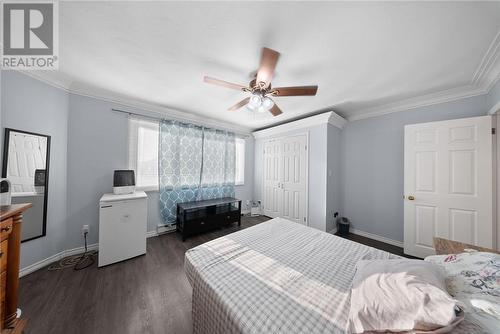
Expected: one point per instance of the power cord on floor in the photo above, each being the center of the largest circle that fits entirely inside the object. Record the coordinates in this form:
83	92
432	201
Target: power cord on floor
78	262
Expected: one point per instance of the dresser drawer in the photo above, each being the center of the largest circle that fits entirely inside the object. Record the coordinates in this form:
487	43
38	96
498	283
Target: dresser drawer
199	225
5	228
3	256
3	287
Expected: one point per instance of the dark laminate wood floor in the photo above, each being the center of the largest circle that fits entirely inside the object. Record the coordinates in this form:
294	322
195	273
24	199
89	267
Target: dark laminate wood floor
147	294
377	244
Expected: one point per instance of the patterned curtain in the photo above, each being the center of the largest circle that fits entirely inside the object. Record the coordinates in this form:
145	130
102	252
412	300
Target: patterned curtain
217	177
195	163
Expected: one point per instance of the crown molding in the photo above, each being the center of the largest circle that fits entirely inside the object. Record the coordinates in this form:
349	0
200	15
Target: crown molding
50	82
418	102
160	111
329	117
494	109
484	78
487	71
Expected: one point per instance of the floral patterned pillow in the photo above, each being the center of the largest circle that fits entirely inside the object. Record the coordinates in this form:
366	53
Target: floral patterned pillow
474	279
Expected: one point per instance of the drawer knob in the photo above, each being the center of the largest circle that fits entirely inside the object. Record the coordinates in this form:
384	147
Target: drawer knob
202	223
5	229
228	217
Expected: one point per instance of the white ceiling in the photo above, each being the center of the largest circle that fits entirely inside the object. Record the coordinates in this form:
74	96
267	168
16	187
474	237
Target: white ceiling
367	58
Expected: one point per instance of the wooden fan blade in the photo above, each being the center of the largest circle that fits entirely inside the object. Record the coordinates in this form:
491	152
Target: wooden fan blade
223	83
240	104
295	91
275	110
267	66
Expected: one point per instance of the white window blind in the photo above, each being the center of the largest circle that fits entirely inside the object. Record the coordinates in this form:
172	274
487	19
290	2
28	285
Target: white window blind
240	161
143	152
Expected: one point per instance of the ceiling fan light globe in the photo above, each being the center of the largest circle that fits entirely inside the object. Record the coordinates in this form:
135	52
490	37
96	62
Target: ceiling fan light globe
250	107
261	109
255	102
267	103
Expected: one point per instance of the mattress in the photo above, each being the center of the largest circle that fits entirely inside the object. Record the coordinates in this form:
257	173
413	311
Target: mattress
275	277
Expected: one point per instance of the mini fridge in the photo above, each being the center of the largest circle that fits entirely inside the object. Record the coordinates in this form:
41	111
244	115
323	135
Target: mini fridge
122	227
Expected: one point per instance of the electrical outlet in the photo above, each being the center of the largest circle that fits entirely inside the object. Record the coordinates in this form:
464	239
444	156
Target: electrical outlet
85	229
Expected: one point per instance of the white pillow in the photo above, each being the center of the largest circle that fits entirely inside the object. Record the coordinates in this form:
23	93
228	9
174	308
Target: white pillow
401	295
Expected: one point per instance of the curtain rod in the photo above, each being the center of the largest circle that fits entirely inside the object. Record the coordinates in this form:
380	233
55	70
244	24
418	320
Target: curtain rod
159	118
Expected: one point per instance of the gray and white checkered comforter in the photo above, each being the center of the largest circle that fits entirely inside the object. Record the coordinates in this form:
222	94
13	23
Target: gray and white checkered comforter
275	277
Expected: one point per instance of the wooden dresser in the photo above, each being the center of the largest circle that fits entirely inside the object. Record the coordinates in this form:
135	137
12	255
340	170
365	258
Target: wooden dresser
10	244
445	246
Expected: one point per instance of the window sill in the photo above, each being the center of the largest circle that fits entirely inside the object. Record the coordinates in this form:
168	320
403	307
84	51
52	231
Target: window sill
147	189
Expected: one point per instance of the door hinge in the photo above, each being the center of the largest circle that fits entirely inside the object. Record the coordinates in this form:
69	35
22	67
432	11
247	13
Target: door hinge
493	131
306	147
304	219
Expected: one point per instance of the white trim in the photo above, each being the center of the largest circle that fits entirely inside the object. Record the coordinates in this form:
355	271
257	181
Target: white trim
156	110
68	252
151	234
377	237
51	82
488	63
329	117
418	102
494	109
56	257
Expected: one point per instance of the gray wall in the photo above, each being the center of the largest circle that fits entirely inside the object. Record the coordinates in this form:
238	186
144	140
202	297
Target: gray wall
317	172
493	97
89	141
245	192
372	164
98	144
31	105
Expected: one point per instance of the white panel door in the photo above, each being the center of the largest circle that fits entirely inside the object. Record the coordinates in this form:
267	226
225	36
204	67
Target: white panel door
273	168
294	178
448	181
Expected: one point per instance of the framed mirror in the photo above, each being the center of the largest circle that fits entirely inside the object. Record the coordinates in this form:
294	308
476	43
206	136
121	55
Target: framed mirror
26	157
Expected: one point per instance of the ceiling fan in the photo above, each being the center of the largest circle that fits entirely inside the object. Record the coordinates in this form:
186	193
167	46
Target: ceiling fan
260	87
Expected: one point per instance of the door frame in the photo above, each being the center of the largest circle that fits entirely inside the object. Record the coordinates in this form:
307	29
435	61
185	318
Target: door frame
281	137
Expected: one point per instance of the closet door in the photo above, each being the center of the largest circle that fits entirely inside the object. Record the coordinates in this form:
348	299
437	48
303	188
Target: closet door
273	170
294	178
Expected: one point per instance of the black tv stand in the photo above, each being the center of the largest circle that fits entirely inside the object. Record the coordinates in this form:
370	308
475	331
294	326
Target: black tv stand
203	216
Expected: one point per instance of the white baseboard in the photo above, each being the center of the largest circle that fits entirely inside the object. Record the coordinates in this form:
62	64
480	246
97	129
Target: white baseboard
377	237
68	252
151	234
56	257
333	230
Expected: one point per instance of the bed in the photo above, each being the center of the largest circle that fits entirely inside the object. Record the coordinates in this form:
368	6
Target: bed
276	277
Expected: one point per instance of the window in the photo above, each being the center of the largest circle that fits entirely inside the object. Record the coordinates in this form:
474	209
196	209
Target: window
240	162
143	152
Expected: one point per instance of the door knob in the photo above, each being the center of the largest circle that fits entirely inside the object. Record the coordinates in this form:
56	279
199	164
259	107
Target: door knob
411	198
